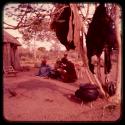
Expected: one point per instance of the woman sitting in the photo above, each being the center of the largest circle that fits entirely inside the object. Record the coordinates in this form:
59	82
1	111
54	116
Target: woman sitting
44	69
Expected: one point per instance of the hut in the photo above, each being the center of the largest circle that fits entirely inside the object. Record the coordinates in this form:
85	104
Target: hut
10	51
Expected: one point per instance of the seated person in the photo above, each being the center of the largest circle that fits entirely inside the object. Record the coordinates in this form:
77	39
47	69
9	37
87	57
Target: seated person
45	69
69	73
65	70
55	73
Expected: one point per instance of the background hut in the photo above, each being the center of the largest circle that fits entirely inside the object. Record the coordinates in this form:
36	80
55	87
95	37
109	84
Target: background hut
10	51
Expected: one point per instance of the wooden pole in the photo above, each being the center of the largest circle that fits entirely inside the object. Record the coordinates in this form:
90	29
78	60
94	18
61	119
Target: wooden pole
117	97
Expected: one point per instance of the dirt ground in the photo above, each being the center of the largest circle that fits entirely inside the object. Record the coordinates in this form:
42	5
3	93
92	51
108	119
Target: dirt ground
40	99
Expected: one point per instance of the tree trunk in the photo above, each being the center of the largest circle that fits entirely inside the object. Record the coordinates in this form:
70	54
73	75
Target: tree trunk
80	47
117	97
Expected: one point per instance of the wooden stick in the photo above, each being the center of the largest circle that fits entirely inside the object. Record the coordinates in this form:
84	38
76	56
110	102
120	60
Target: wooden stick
99	84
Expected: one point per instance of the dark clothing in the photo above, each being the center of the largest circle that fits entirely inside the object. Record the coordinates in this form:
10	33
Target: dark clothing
66	70
55	74
70	74
64	60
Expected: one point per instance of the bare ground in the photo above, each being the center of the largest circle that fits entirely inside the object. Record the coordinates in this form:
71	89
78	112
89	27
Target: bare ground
40	99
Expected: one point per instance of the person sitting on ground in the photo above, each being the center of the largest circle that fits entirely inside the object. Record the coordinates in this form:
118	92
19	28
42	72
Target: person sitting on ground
44	69
69	73
55	73
67	70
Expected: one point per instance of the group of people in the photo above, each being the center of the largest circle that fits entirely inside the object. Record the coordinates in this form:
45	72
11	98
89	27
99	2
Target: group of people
63	70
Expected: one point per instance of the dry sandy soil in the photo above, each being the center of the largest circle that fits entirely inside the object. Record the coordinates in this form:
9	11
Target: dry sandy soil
40	99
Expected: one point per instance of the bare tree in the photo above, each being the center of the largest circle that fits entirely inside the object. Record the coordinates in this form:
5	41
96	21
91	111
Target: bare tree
32	19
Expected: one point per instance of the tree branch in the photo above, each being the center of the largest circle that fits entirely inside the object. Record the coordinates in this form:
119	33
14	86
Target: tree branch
22	17
17	27
10	26
60	10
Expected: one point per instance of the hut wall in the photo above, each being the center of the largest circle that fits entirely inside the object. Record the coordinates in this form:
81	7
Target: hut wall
6	55
17	60
10	56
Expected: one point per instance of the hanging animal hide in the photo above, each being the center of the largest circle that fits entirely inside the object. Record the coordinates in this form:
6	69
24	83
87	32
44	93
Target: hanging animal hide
99	35
60	24
66	24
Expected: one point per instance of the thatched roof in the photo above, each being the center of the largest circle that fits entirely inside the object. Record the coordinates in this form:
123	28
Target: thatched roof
7	38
